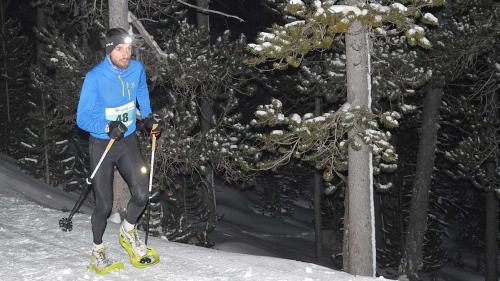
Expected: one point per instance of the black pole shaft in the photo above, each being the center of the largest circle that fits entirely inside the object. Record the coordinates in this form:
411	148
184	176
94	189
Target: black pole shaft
79	203
148	215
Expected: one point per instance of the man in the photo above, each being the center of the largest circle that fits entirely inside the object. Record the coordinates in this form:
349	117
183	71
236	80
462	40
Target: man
109	97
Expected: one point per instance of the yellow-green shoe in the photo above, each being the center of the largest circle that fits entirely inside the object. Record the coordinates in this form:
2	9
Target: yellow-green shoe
139	254
101	265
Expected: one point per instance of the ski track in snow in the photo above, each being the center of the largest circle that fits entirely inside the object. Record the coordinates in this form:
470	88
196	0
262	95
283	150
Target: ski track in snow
33	240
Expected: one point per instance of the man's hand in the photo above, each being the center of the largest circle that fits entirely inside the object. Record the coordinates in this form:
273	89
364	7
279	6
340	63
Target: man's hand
116	130
153	125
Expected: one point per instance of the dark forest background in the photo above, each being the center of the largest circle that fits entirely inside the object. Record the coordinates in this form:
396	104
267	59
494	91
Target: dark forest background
46	48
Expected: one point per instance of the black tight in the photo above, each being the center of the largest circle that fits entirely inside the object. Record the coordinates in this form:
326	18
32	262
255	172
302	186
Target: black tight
125	154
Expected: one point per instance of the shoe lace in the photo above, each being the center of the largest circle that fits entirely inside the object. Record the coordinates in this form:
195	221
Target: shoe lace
136	241
101	257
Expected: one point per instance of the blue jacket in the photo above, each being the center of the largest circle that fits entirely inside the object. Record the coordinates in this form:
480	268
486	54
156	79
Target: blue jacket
110	93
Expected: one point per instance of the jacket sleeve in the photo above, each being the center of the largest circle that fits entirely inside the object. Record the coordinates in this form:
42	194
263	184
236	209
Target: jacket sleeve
143	94
90	115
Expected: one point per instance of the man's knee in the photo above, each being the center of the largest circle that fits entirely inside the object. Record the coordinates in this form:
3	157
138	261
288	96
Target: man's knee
141	198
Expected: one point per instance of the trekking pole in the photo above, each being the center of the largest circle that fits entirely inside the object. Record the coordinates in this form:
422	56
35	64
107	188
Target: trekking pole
148	215
65	223
110	143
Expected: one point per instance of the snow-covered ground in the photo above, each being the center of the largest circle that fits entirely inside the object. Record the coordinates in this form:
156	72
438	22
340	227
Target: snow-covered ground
34	247
249	246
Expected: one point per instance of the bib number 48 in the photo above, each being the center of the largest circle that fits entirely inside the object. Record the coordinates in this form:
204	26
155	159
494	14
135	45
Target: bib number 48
122	117
124	113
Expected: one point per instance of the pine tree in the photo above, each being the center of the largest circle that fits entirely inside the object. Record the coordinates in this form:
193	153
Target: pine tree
62	63
193	68
287	46
458	52
15	55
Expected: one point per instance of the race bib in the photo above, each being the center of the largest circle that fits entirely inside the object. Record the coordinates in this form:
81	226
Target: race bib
124	113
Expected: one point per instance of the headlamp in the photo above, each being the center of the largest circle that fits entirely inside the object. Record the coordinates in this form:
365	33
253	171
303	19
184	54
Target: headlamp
127	40
113	41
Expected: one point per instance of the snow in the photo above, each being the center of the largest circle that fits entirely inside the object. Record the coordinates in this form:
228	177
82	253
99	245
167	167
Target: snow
419	29
260	113
344	9
31	132
71	158
27	159
32	238
334	74
298	22
379	8
308	116
277	132
255	47
26	145
247	244
61	54
424	41
407	108
267	45
266	35
318	119
296	118
400	7
430	18
296	2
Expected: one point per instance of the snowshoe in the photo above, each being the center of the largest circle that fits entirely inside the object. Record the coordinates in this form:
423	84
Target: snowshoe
101	265
139	254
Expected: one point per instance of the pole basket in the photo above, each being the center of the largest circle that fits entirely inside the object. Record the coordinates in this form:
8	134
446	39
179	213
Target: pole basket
66	224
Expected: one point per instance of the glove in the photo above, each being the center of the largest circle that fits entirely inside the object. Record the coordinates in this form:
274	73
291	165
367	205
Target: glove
116	130
150	121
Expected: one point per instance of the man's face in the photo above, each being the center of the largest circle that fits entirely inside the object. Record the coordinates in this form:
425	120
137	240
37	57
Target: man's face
120	56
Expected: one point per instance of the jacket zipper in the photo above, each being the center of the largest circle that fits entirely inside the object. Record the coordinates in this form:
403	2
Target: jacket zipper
123	87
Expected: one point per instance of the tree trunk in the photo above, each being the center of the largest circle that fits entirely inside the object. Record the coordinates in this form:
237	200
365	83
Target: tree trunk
206	102
346	253
359	252
118	17
84	40
118	14
206	123
45	140
202	19
317	195
206	114
421	185
40	23
491	245
5	80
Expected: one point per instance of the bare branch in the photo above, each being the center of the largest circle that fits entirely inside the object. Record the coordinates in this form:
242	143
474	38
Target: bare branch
210	11
148	38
